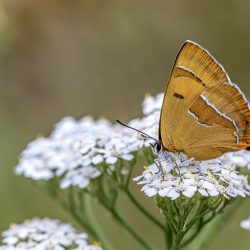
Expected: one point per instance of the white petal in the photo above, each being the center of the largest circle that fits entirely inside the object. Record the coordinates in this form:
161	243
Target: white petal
111	160
213	192
208	185
203	192
97	159
150	192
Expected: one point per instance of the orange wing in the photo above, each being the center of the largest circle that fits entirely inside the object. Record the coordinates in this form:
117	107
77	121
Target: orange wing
202	111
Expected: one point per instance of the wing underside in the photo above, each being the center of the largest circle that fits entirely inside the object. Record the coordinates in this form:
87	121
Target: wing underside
203	114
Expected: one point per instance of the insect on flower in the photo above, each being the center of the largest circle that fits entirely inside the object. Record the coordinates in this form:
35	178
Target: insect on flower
203	114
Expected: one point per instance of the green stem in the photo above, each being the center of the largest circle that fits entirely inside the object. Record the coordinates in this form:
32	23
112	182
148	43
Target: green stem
170	217
201	224
130	230
176	244
124	224
209	232
71	208
177	241
199	217
202	211
179	234
87	206
142	209
133	162
168	235
84	224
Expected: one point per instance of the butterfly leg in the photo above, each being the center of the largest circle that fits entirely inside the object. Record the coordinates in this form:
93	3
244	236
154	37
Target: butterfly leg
178	164
160	170
158	165
178	168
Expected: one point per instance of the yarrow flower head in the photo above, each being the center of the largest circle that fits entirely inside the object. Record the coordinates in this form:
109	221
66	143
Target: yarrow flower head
173	175
76	148
43	234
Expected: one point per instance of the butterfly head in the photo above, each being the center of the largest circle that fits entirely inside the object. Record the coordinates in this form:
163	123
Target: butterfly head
157	146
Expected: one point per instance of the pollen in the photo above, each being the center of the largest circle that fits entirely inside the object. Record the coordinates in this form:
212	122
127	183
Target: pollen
97	243
102	118
12	225
39	135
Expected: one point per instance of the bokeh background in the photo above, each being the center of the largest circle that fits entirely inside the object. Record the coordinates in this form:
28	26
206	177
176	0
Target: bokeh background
82	57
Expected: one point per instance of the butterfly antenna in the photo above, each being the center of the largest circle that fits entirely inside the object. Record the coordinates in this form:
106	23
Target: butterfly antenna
142	133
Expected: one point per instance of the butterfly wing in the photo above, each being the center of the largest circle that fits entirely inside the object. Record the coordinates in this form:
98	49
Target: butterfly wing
187	121
222	118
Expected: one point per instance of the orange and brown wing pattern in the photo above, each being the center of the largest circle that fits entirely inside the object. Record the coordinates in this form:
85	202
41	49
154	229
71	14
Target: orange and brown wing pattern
203	115
193	71
198	62
221	120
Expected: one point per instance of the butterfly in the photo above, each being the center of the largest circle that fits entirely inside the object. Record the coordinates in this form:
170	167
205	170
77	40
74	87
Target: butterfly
203	114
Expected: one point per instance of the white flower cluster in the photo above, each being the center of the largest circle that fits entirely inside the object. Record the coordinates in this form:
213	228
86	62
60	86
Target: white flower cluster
76	147
44	234
173	175
240	158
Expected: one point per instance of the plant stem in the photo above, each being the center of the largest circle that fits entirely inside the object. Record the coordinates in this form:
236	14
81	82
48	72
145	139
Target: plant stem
130	172
83	223
209	232
142	209
71	208
130	230
124	224
177	241
168	235
86	202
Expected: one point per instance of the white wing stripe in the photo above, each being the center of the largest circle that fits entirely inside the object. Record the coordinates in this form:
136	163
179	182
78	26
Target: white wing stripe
223	115
197	118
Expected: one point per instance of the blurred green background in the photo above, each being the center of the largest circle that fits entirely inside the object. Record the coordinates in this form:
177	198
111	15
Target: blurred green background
94	57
